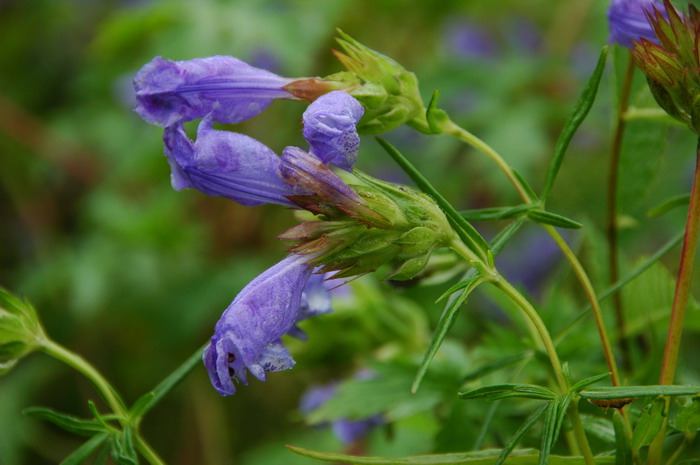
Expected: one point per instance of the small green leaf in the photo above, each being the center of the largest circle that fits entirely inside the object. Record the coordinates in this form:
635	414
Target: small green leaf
437	119
523	182
67	422
649	424
688	419
123	451
668	205
548	432
583	106
623	454
80	454
503	391
141	405
545	217
619	392
466	231
584	383
524	428
496	213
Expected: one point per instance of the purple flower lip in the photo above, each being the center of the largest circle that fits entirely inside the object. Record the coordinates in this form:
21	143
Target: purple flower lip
248	335
170	92
629	23
225	164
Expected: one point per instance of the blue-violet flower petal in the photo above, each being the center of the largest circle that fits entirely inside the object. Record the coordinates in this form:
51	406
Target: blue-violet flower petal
628	21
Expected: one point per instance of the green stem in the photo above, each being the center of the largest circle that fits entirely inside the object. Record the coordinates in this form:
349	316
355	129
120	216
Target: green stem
680	302
83	366
611	222
147	452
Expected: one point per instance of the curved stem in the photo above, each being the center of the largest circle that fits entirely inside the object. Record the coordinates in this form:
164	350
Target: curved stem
611	220
77	362
147	452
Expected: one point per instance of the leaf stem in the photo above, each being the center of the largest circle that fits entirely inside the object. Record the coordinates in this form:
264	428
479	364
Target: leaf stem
147	452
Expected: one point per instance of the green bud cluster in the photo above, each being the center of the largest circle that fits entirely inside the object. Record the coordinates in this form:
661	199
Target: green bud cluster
673	67
404	228
20	330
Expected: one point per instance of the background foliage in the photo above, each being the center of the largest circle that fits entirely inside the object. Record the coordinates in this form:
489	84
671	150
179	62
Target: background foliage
133	275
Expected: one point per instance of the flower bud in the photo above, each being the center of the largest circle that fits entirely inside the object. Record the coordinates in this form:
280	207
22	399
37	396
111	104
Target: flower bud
20	330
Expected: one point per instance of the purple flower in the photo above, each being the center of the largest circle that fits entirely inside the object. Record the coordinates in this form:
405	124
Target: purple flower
628	21
347	431
225	164
329	127
170	92
470	40
248	335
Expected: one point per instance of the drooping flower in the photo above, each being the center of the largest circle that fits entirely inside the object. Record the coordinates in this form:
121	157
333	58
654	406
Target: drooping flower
225	164
248	335
330	128
170	92
628	21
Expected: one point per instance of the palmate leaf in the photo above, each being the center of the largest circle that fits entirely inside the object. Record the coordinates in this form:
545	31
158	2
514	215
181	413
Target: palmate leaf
485	457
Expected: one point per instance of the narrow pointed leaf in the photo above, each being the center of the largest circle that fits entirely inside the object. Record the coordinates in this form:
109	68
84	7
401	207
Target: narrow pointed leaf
583	106
503	391
550	422
523	182
623	453
649	424
67	422
668	205
81	454
494	366
493	214
524	428
619	392
545	217
584	383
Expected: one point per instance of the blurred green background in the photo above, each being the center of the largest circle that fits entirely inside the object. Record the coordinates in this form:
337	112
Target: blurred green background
133	275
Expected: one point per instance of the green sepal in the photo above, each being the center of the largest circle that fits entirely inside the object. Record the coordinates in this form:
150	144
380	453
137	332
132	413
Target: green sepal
81	454
20	330
409	268
67	422
545	217
418	240
649	424
504	391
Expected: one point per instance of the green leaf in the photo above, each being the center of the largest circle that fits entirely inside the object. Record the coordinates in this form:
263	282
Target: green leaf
67	422
583	106
437	119
449	314
668	205
123	451
523	182
466	231
649	424
484	457
85	450
494	365
503	391
548	432
688	419
620	392
524	428
148	400
496	213
584	383
545	217
623	454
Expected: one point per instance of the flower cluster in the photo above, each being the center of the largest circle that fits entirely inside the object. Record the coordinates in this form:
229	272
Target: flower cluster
362	223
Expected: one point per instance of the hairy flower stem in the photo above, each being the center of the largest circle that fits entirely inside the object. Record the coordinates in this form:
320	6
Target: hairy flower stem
611	221
108	393
680	303
541	335
467	137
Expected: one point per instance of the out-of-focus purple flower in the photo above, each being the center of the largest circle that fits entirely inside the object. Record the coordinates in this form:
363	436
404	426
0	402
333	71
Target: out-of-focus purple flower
329	127
170	92
534	258
469	40
225	164
347	431
248	335
628	21
523	35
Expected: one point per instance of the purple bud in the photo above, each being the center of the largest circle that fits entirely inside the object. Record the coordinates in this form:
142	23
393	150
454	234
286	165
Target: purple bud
248	335
170	92
225	164
628	21
329	127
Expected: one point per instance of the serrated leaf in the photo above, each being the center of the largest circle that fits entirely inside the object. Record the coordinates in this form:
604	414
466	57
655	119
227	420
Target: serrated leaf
503	391
80	454
620	392
584	383
485	457
524	428
649	424
545	217
583	106
67	422
668	205
623	453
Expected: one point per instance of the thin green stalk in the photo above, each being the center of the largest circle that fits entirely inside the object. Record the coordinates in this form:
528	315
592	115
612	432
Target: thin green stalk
680	303
147	452
611	216
77	362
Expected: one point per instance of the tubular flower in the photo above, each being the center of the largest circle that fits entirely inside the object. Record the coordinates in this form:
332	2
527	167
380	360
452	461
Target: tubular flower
170	92
329	127
248	335
629	23
225	164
